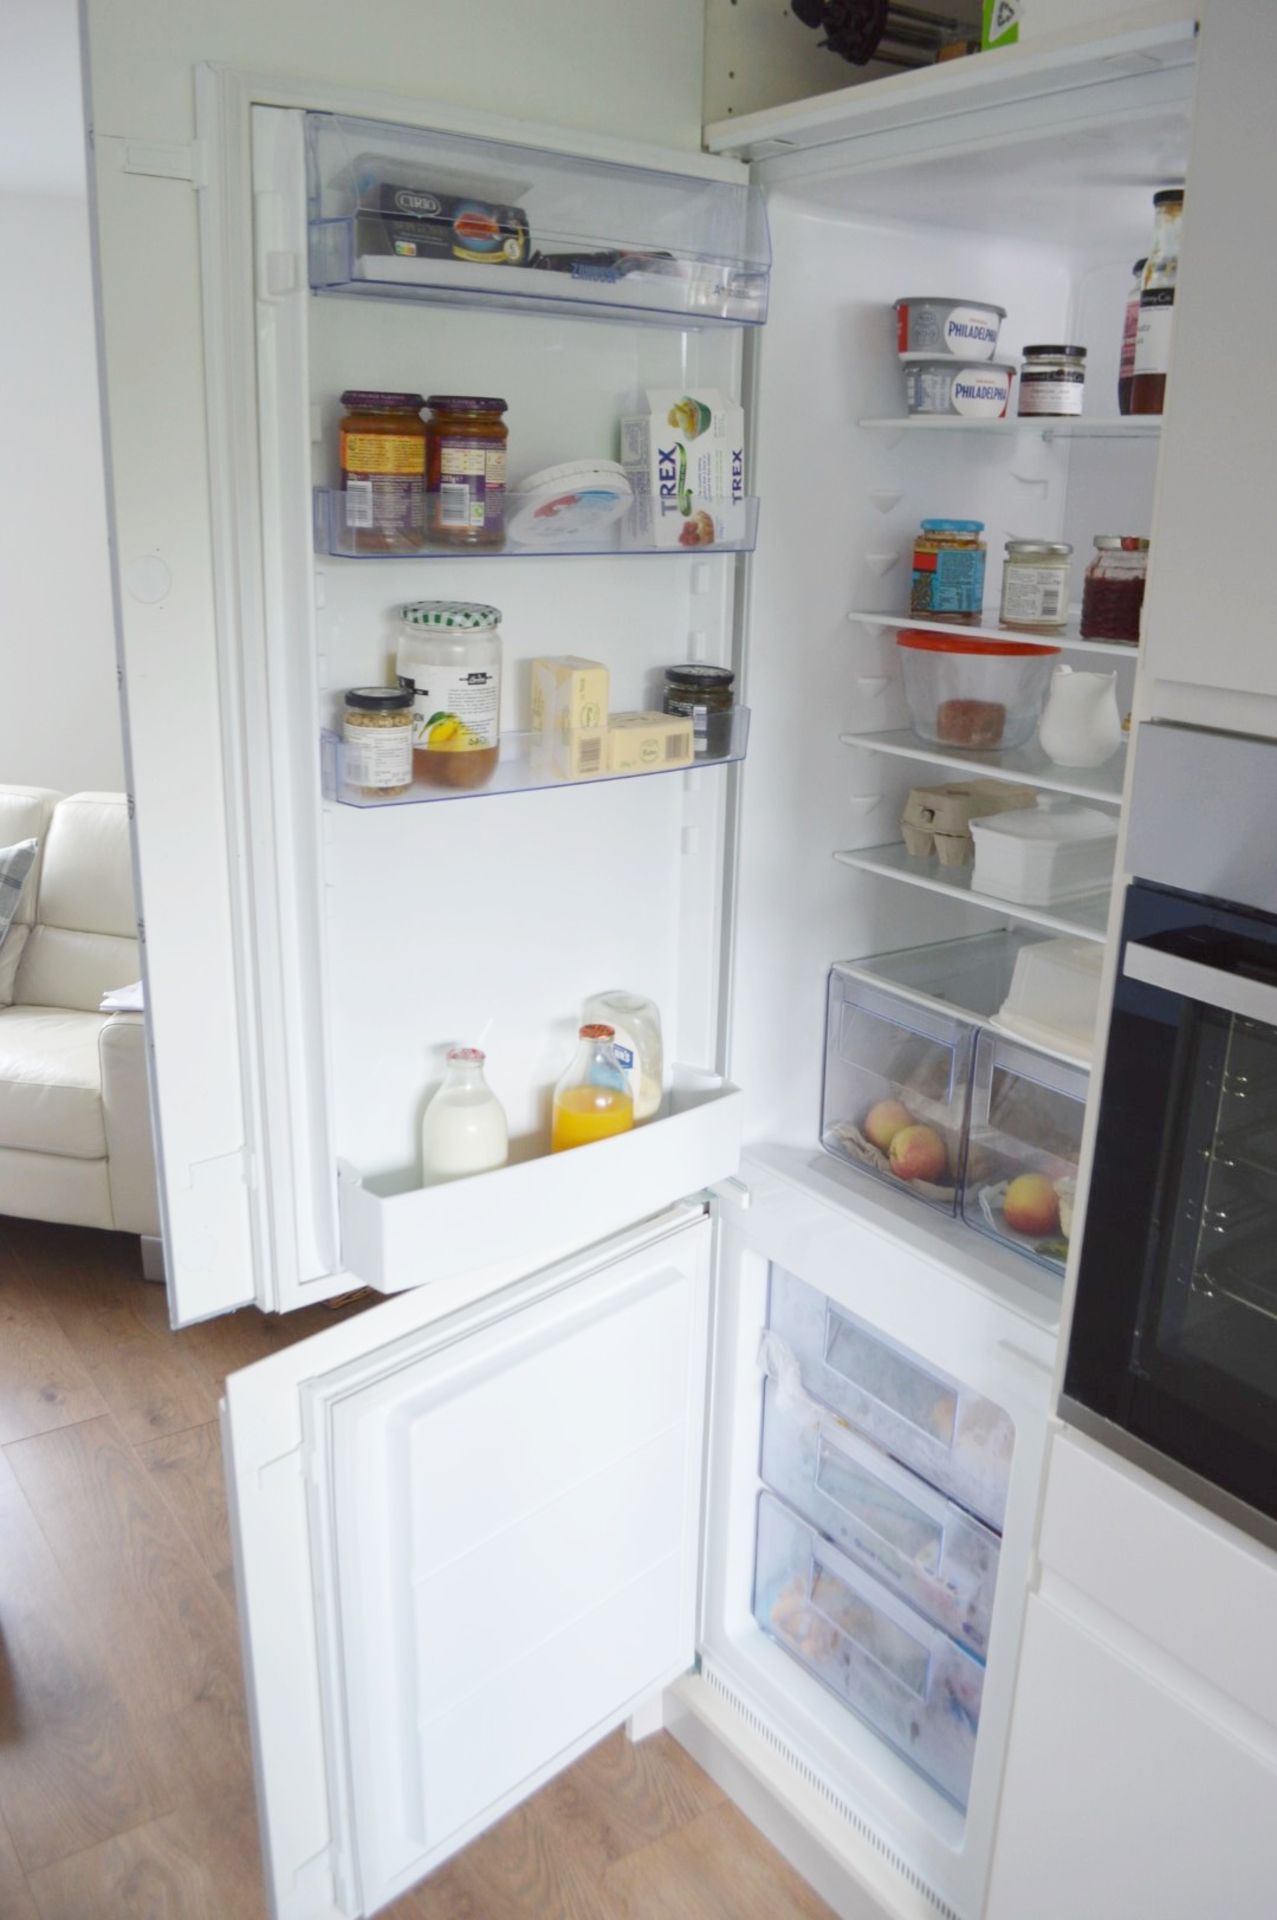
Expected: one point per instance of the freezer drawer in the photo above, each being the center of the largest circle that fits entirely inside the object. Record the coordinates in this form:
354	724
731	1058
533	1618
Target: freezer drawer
955	1438
929	1551
910	1682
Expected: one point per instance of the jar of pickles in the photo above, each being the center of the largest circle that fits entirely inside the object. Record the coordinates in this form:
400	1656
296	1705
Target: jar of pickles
1113	591
948	570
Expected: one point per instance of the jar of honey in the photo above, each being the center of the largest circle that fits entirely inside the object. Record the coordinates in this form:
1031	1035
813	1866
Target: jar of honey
383	471
465	470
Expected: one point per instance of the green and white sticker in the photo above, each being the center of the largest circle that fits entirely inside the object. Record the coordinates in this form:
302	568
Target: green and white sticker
1001	23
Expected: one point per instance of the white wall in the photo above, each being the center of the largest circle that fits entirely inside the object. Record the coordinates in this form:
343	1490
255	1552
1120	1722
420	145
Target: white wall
59	712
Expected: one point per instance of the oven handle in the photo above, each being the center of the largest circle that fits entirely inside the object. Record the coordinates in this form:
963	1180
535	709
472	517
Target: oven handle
1210	986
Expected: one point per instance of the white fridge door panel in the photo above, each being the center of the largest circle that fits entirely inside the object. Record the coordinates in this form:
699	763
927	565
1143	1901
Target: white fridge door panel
467	1537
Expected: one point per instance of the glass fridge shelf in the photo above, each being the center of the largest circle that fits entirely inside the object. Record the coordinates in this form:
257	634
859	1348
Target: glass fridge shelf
988	628
532	762
1028	764
1086	918
716	526
1144	426
406	213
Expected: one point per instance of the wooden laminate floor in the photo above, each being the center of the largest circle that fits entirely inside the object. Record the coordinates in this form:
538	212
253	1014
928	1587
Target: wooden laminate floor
125	1784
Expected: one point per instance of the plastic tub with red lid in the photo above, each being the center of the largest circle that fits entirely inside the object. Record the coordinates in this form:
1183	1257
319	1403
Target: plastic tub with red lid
978	695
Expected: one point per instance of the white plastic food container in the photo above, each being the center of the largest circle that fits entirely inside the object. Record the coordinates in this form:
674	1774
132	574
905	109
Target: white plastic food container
1055	851
964	329
1054	996
974	390
569	505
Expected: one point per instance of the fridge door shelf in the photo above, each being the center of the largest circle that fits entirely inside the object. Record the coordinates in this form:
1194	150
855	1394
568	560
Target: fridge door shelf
531	762
927	1549
397	1234
910	1681
717	526
405	213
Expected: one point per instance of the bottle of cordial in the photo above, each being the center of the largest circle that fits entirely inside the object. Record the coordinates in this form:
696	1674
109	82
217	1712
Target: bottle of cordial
1157	304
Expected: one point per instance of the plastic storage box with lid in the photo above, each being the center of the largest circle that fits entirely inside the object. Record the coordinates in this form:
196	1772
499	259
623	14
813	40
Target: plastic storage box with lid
1020	1178
1057	850
1054	996
979	694
910	1682
947	1433
895	1090
926	1548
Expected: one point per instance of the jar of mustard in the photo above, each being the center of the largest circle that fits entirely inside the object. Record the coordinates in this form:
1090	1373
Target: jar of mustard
383	471
465	470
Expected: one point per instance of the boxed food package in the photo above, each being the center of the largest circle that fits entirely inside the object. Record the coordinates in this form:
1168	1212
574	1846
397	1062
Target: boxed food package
568	694
648	742
684	454
416	221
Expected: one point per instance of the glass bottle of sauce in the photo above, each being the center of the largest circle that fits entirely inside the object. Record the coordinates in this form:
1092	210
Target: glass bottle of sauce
465	470
1157	304
1130	328
593	1099
1113	591
383	471
449	653
463	1130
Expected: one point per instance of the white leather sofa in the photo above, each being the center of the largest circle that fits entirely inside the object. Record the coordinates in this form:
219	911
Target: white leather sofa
75	1122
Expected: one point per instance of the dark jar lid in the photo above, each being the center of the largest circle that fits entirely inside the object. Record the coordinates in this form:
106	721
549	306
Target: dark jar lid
1166	195
1057	353
379	699
463	403
695	676
366	400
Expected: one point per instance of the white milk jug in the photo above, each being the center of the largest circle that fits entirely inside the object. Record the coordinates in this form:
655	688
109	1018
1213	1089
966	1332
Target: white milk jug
1081	726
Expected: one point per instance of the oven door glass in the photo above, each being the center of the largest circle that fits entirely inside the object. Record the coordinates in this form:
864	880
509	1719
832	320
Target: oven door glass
1175	1328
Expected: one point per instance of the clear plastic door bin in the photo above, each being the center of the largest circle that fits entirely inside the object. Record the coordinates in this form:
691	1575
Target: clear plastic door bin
1022	1153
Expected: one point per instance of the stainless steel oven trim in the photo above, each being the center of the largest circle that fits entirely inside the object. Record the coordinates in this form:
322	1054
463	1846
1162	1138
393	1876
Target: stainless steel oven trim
1226	1506
1225	992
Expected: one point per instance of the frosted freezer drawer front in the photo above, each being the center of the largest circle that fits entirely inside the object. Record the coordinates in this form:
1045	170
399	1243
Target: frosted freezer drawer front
953	1437
912	1683
925	1548
467	1551
539	1209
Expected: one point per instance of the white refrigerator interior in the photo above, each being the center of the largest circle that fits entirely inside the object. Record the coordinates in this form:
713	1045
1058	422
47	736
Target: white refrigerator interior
481	1522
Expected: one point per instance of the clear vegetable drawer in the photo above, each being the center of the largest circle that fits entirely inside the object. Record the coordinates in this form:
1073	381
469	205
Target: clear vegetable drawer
928	1550
895	1097
1022	1151
910	1682
953	1437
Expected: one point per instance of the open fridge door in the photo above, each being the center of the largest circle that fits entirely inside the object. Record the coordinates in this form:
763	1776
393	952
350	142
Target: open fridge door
466	1536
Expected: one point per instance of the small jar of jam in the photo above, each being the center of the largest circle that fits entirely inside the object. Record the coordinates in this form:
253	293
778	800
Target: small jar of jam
383	471
465	470
1113	591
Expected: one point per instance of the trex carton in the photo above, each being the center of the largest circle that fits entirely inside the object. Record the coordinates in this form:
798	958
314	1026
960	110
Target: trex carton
684	455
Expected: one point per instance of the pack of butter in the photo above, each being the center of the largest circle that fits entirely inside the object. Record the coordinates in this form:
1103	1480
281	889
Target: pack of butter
648	742
569	717
684	455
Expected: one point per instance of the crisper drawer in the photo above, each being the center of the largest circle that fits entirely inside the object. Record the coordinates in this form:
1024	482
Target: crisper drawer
913	1684
952	1436
929	1551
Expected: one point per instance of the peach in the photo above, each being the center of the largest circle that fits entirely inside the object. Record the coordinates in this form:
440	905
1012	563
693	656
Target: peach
1032	1205
883	1123
918	1153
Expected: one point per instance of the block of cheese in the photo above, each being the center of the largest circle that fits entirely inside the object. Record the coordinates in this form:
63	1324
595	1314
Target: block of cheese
647	742
568	694
570	756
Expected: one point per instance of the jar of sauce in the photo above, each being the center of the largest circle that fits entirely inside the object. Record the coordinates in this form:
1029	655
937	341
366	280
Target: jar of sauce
1035	585
1113	591
465	470
948	570
706	695
1052	382
383	471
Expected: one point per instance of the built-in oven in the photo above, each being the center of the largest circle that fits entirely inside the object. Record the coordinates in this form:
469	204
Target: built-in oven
1172	1353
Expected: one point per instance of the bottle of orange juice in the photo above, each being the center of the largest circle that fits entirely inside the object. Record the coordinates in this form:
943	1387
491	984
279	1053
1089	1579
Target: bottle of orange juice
593	1099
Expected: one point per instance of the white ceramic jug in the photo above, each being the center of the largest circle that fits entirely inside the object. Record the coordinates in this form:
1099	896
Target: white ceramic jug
1081	726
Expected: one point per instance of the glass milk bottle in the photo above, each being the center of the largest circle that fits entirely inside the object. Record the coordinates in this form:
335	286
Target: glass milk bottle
463	1129
593	1099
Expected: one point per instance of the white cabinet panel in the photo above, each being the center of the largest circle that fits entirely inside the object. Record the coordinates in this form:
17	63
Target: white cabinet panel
1204	620
467	1541
1122	1802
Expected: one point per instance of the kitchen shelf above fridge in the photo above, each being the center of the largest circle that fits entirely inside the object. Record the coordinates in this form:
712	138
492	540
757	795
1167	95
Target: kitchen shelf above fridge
405	213
534	528
395	1233
535	762
988	629
1021	764
1085	917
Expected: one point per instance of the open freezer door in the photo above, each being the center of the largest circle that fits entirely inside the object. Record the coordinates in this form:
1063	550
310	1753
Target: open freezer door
466	1536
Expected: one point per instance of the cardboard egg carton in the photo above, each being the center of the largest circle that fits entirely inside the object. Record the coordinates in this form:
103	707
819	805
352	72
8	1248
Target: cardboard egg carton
938	819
